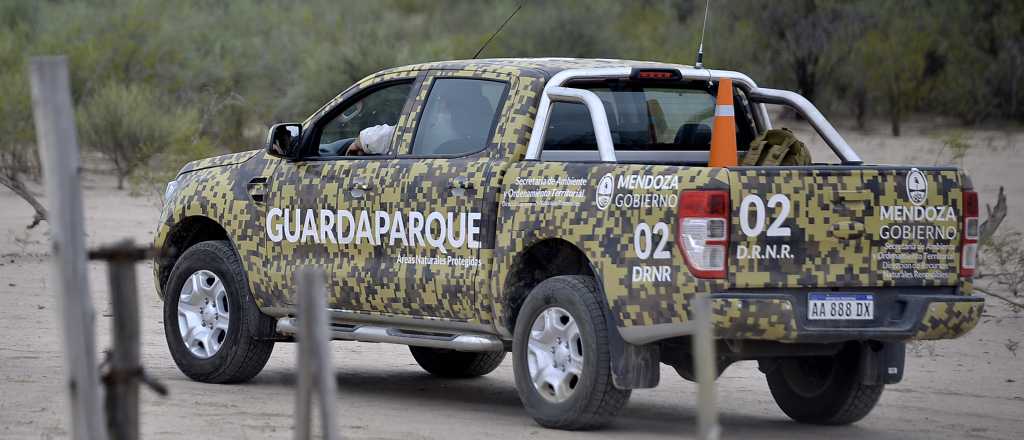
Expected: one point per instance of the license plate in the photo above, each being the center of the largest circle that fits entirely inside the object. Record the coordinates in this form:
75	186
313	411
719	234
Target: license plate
822	306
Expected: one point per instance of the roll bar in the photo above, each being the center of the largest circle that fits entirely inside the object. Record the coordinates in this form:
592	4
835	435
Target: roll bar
585	97
598	117
555	91
814	117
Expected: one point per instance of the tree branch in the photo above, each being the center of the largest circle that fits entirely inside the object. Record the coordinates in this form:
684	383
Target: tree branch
1013	303
995	217
16	185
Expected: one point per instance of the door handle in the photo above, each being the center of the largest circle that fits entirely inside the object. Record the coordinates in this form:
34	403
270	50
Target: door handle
460	183
359	187
257	189
361	184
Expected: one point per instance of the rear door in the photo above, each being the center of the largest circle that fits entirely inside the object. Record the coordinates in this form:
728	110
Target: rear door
443	189
845	227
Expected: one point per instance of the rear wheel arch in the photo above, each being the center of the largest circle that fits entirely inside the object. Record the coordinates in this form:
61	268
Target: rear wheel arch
632	366
186	233
542	260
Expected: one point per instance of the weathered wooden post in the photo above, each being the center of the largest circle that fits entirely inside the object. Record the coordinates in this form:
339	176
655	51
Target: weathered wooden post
58	149
315	373
705	364
125	368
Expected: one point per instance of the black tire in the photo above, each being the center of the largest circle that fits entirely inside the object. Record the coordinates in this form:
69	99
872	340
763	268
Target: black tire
823	390
456	364
594	401
245	348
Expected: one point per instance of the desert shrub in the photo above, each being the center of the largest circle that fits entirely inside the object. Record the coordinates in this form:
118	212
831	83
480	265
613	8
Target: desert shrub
1002	261
129	124
957	144
163	166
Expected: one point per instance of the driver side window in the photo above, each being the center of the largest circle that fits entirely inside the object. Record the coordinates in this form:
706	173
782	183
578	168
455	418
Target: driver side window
379	111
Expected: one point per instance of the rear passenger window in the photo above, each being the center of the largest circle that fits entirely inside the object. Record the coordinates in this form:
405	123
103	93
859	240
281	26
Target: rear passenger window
650	123
639	118
459	117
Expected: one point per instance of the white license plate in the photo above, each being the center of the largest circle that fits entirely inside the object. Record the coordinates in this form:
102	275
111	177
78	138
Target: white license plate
822	306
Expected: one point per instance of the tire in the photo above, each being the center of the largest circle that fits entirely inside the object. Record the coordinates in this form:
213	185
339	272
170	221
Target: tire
241	350
456	364
588	399
823	390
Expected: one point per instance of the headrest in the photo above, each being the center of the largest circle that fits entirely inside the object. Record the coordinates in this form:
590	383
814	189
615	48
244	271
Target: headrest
693	135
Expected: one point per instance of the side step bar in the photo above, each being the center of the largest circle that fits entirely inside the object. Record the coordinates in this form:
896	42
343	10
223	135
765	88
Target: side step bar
374	333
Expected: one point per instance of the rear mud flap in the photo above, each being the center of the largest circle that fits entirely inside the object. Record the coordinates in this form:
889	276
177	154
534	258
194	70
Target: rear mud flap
881	363
634	366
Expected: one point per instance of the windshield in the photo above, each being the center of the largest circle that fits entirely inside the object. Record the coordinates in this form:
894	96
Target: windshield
650	118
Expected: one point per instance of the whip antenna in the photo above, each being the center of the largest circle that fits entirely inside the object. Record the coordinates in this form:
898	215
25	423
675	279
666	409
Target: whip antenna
499	29
700	49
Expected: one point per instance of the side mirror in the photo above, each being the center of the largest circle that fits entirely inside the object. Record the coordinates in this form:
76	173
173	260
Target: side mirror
283	140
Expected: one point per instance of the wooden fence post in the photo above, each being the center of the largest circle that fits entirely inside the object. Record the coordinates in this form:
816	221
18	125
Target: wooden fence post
706	366
125	370
58	149
315	372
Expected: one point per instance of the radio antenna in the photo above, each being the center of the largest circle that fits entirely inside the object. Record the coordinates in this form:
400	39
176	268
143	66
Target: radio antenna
700	49
499	29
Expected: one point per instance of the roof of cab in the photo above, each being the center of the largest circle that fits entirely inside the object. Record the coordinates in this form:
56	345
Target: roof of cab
548	66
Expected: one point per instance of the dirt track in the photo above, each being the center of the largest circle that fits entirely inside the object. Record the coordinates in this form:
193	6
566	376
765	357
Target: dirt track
971	387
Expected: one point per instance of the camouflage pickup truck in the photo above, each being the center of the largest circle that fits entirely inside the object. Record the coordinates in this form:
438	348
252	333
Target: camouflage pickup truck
564	210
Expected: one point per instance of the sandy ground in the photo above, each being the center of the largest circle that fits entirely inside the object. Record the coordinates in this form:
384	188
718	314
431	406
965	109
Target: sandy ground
971	387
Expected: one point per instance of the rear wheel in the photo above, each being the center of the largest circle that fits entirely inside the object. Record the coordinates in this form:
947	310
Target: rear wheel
456	364
214	330
823	390
561	359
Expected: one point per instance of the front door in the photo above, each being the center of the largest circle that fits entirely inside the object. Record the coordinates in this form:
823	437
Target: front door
321	208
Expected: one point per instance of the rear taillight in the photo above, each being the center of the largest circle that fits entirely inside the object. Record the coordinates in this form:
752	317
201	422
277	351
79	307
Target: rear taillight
703	235
969	242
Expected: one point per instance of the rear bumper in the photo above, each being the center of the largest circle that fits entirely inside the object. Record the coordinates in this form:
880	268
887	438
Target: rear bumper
783	317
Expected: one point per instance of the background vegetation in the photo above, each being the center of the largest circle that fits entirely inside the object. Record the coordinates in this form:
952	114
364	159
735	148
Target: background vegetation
163	82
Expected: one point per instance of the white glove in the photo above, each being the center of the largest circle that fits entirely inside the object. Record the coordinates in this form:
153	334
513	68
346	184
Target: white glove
375	139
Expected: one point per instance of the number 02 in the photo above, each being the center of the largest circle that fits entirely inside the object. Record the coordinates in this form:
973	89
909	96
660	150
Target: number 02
643	241
775	229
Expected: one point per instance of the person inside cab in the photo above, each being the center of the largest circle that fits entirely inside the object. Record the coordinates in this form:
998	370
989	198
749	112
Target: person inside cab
456	119
371	141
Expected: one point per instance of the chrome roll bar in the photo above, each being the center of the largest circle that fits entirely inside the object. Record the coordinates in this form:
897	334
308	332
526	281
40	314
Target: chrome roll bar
814	117
598	117
593	103
554	91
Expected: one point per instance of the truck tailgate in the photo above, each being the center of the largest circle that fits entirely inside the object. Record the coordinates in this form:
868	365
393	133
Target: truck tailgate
835	227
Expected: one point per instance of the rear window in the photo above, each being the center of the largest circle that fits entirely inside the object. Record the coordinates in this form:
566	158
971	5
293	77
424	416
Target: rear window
642	118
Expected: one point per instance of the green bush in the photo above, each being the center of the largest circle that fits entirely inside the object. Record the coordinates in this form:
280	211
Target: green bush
130	124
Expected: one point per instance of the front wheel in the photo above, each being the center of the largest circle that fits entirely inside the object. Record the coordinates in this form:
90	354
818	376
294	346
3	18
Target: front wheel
561	359
823	390
214	329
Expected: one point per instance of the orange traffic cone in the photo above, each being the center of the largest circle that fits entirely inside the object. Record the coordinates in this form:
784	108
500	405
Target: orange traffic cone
723	134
